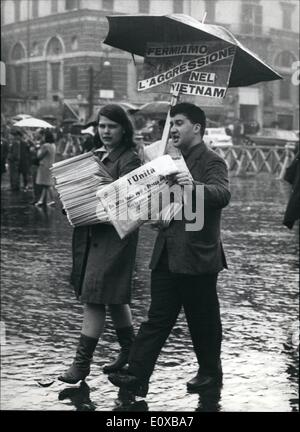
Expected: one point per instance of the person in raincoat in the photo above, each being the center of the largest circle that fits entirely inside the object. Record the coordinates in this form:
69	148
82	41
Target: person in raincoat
46	158
292	176
103	263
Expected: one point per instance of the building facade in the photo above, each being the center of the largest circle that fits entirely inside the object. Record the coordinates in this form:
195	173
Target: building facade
53	53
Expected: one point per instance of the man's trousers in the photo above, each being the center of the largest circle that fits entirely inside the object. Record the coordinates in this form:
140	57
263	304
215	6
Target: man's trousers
169	292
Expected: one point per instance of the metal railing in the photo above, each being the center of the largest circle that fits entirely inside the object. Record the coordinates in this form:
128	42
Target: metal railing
246	159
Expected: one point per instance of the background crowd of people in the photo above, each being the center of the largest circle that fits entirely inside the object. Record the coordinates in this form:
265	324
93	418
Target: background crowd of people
27	156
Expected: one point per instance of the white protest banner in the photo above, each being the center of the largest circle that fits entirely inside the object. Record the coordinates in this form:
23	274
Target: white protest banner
139	195
198	69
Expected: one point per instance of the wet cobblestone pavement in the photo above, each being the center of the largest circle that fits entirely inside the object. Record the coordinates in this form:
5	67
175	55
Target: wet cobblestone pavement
259	307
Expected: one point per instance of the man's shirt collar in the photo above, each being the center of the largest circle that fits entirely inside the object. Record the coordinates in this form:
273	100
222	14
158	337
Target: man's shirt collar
195	151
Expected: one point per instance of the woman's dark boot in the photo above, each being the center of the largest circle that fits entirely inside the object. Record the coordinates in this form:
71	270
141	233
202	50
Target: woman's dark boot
125	337
80	367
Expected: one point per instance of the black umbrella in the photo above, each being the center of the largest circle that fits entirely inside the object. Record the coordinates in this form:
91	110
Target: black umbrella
69	121
132	33
156	107
49	118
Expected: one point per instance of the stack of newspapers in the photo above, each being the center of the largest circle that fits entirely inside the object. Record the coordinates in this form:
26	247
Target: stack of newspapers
77	181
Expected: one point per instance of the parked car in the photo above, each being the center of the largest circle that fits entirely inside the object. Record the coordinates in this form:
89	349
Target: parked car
275	137
217	137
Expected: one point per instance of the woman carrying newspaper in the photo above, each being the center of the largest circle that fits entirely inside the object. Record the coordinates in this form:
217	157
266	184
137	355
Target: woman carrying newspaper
102	262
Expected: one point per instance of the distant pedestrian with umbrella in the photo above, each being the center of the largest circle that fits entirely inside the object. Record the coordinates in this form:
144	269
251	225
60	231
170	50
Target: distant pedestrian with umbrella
71	148
4	151
34	146
25	161
46	158
14	157
238	132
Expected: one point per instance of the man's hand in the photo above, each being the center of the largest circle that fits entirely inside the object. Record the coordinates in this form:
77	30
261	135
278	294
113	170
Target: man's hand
159	224
184	178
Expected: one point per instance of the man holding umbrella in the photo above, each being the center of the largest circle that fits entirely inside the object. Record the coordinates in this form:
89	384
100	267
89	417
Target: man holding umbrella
185	266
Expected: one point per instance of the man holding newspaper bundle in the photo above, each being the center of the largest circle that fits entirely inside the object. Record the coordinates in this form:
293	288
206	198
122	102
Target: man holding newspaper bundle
185	266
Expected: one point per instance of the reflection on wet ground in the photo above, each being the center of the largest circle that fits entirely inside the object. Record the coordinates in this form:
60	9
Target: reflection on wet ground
259	305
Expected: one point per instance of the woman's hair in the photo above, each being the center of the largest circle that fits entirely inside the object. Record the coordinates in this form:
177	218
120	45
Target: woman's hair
48	136
97	143
117	114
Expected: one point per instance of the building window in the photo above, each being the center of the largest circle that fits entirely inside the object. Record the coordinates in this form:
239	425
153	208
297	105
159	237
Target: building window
34	80
74	77
285	59
108	4
106	76
35	8
54	65
71	4
252	18
3	7
18	52
17	10
287	19
210	9
34	49
287	11
53	6
9	79
19	78
285	89
285	121
54	47
74	43
144	6
178	6
55	76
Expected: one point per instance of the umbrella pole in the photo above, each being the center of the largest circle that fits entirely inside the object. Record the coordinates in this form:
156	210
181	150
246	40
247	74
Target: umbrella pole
166	131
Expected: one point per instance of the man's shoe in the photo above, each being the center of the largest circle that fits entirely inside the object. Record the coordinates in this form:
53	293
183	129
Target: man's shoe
203	381
130	383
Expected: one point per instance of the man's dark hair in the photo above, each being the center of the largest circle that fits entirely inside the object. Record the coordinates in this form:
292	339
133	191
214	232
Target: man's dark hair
15	131
161	123
192	112
49	138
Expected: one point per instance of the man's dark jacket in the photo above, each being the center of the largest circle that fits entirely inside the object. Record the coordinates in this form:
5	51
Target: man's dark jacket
198	252
292	175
